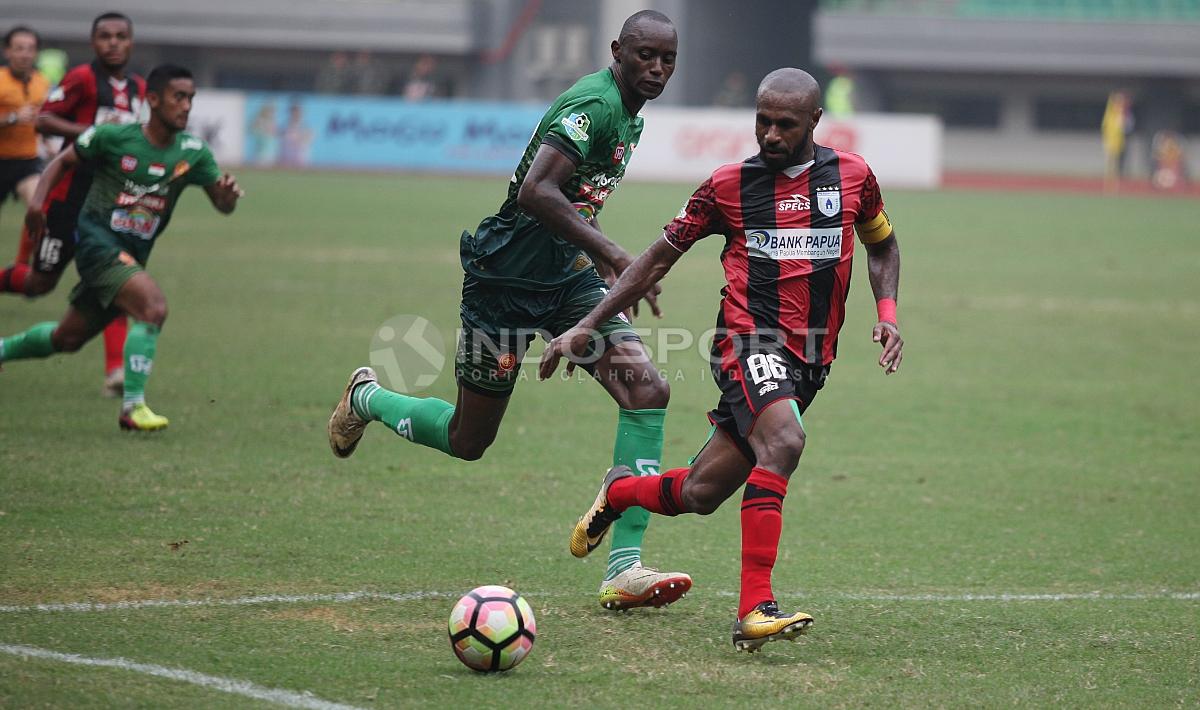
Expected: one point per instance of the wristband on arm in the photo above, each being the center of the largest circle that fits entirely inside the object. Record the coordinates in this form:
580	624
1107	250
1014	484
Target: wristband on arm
886	308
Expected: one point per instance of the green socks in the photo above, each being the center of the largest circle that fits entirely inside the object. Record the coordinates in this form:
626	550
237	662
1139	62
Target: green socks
140	345
34	342
424	420
638	446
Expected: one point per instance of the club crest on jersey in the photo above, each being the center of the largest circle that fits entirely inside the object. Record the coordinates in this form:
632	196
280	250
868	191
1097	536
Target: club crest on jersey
795	203
829	201
180	168
156	170
128	163
577	125
506	363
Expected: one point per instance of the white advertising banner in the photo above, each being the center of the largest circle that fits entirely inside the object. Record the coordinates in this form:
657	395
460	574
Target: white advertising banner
686	145
219	118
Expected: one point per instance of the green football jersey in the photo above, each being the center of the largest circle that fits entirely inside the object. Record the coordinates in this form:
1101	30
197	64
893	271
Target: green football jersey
136	185
590	123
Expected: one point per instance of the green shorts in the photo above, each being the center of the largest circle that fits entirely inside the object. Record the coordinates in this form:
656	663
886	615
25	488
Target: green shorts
499	323
103	270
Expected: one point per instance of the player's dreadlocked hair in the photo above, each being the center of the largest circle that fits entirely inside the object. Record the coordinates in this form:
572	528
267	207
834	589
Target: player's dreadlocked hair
162	75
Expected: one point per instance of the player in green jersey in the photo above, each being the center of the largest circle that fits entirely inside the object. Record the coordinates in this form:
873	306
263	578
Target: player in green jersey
535	267
140	171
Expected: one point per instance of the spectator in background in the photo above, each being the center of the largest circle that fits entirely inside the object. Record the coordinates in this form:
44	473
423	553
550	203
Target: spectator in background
334	77
263	143
52	63
1170	168
1115	128
368	76
839	93
295	138
420	84
733	92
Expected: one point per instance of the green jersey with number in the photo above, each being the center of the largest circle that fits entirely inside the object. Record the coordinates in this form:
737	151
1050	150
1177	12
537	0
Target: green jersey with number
136	184
589	123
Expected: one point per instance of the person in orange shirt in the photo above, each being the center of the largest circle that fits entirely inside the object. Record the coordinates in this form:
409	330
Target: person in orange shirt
23	90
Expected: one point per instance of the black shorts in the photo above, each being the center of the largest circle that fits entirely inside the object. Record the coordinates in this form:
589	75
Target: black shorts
12	172
753	373
57	246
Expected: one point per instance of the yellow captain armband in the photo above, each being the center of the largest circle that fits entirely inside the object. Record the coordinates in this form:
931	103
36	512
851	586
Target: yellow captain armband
874	230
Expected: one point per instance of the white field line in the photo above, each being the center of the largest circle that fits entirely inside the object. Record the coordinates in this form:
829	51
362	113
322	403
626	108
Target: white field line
346	597
226	685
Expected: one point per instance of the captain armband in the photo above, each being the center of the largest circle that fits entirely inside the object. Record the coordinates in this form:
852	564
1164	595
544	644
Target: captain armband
874	230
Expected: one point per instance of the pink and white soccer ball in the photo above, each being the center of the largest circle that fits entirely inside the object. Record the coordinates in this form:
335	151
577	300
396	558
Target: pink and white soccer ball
492	629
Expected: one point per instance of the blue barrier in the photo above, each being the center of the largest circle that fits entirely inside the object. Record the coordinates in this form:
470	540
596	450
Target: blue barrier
341	131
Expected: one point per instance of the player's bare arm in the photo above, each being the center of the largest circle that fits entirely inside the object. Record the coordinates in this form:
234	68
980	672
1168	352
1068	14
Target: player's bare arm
645	271
35	219
225	193
541	195
50	125
883	267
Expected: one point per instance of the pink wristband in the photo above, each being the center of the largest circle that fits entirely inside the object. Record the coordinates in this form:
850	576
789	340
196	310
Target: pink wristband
887	309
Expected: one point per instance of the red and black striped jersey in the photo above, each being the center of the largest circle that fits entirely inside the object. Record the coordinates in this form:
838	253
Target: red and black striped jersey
789	244
88	95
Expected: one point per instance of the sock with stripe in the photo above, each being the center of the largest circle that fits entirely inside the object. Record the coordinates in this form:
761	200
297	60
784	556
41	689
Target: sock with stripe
660	494
140	347
34	342
762	522
115	334
12	279
638	445
422	420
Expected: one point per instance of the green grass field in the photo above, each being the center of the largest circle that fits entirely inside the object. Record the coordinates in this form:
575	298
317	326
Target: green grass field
1041	440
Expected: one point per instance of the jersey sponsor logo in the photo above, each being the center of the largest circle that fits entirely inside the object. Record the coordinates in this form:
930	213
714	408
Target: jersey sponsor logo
768	387
404	428
128	163
134	188
795	203
85	138
117	115
605	180
156	170
799	243
577	125
581	262
58	94
158	204
829	201
191	143
618	153
137	222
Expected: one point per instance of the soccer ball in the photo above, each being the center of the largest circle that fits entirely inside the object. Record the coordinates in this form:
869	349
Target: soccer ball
492	629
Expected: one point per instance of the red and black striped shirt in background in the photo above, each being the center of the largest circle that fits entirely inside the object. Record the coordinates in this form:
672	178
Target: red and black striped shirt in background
88	95
789	243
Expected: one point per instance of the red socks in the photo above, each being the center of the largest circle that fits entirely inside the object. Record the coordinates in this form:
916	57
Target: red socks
657	494
12	279
114	344
762	521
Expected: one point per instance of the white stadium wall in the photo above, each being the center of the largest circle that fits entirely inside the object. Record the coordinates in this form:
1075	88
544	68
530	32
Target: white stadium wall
219	117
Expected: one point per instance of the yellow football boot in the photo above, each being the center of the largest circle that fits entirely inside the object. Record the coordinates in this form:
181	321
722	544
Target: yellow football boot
140	418
590	530
766	623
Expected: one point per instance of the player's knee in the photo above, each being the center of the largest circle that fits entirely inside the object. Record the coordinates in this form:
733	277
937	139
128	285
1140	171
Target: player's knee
38	285
653	393
700	499
66	342
781	451
469	450
155	312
